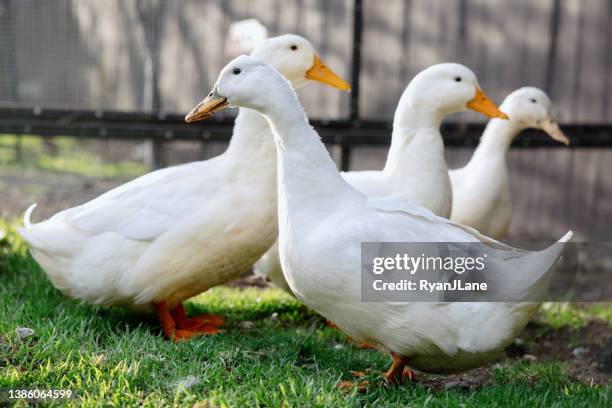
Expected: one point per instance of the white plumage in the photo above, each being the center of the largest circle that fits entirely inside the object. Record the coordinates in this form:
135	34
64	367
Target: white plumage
416	168
323	221
481	195
176	232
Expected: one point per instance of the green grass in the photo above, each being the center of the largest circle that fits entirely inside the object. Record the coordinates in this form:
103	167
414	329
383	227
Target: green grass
558	315
71	157
289	357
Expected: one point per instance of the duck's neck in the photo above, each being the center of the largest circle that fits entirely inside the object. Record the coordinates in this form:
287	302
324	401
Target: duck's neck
416	142
252	139
308	179
496	139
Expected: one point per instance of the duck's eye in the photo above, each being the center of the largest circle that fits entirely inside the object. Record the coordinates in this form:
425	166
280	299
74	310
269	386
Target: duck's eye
533	100
236	71
458	79
294	47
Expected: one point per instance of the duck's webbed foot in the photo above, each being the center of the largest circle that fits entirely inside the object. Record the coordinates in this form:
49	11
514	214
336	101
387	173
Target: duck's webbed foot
183	322
408	373
395	374
177	326
360	385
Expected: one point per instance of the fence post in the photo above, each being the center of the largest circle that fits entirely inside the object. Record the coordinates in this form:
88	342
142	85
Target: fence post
345	151
156	155
356	60
18	149
345	157
555	21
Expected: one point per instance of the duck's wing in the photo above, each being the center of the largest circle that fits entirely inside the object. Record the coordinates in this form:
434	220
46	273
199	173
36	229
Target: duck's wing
512	274
444	228
145	208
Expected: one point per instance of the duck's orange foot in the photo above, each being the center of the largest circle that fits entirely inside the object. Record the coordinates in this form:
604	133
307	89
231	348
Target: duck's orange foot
360	385
201	319
192	323
408	373
331	324
365	346
395	374
186	334
348	386
177	326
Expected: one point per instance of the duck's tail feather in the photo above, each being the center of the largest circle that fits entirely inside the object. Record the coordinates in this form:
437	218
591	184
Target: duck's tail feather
549	258
26	217
567	236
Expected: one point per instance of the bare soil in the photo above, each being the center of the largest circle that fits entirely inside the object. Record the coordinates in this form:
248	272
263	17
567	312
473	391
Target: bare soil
540	343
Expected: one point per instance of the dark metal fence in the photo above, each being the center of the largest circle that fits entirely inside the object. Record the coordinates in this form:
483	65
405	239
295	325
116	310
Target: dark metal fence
130	69
46	49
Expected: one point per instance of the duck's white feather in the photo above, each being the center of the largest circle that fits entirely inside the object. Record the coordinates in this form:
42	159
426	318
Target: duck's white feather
322	223
481	192
176	232
416	168
481	189
437	337
170	234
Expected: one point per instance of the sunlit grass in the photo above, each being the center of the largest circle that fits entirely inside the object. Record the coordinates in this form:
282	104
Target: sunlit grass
69	158
559	315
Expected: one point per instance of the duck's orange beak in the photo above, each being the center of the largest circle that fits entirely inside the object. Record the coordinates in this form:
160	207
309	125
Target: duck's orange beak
320	72
481	103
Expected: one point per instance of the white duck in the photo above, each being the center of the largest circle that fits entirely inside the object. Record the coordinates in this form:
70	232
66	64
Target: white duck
174	233
323	221
481	195
416	168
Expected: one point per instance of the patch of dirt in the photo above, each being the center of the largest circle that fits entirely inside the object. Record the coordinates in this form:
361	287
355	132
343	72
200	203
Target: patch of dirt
578	350
470	380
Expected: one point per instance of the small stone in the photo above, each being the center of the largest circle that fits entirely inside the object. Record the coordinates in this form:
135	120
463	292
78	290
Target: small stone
247	325
24	332
452	385
185	383
579	351
274	316
529	357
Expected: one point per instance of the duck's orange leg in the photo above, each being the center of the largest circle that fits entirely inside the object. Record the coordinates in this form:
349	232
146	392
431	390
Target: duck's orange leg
331	325
408	373
183	322
176	330
395	374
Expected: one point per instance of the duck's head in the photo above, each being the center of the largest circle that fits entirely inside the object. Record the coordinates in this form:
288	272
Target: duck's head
296	59
530	107
245	82
448	88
